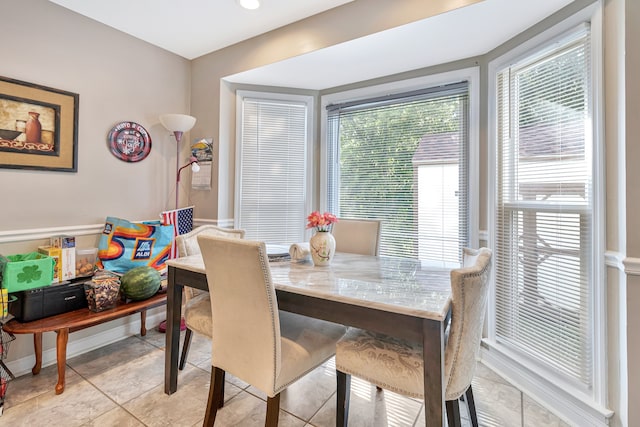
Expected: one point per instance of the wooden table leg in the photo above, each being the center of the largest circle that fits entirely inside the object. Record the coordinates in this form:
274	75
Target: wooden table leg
61	350
433	354
143	323
37	348
172	346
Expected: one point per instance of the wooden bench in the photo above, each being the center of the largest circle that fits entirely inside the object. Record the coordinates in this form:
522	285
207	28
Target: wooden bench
72	321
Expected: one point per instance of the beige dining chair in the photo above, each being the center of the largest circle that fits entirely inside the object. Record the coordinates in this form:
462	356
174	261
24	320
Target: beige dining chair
357	236
397	365
254	341
197	309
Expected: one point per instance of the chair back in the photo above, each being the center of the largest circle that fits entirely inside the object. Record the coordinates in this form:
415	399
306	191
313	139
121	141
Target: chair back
244	310
357	236
469	289
188	243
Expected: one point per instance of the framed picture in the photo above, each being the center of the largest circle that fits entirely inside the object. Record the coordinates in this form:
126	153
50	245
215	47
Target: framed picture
38	127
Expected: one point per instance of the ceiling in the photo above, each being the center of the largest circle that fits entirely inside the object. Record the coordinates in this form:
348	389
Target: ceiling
206	26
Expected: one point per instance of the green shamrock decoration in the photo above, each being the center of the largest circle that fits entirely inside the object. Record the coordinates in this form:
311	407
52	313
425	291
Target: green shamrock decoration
29	274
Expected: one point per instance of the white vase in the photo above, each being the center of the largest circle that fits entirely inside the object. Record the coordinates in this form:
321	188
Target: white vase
322	246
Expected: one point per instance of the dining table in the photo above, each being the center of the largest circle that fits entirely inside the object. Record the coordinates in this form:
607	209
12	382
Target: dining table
399	297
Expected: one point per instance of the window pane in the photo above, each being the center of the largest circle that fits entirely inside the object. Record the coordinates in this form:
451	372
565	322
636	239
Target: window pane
543	253
404	161
272	188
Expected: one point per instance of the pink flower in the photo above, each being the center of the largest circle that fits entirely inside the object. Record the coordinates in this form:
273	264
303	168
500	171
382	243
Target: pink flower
321	222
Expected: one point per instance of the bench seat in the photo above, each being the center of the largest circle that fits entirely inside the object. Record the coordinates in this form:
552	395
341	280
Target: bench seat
72	321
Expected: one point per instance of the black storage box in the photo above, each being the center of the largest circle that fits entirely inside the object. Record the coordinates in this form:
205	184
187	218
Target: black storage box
34	304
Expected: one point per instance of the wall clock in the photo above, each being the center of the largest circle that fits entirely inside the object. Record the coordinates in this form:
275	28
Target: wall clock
129	142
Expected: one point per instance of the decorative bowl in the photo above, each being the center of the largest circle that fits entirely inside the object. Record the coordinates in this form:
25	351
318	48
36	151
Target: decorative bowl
9	135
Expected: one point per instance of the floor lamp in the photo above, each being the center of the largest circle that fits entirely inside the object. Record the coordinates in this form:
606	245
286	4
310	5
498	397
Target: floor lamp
179	124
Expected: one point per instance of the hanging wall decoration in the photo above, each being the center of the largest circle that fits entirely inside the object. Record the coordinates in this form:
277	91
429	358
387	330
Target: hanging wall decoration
129	142
38	127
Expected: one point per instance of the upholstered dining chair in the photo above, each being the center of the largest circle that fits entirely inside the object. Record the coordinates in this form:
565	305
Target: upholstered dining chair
397	365
357	236
253	340
197	309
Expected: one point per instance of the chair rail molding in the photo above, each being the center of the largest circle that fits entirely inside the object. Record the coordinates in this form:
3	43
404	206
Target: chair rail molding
11	236
631	266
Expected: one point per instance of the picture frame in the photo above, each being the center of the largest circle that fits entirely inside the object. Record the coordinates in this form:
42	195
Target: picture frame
38	127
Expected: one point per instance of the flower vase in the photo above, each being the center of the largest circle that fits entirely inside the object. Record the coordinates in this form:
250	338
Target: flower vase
33	127
322	246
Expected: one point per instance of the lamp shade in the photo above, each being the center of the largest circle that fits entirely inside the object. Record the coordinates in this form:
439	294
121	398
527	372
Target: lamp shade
177	122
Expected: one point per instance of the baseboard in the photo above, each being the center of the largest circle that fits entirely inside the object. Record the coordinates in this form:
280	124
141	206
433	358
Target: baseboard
80	346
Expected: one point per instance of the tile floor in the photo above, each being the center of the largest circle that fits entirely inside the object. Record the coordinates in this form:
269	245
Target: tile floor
122	385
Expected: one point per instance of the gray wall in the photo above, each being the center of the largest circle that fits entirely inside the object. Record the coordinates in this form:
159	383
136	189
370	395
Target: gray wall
119	78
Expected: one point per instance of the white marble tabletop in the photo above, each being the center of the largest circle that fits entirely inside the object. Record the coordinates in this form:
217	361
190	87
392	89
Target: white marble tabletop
397	285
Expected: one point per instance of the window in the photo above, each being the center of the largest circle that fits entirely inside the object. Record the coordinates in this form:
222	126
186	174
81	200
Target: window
544	258
272	156
404	159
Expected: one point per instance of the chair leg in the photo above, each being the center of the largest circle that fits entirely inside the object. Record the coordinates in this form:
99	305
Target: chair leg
343	396
273	410
453	413
471	404
185	349
216	396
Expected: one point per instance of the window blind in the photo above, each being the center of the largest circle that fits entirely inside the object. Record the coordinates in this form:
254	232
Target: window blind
404	159
543	254
272	202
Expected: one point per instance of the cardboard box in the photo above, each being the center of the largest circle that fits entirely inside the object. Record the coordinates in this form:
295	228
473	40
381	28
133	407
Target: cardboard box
68	246
25	271
56	254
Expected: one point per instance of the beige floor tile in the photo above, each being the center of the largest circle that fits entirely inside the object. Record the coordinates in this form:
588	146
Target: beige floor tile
116	417
307	395
199	351
370	408
185	407
420	421
482	371
129	380
247	410
535	415
29	386
110	356
79	404
497	404
157	338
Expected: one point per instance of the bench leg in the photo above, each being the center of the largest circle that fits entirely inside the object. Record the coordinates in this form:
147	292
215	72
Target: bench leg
143	323
61	349
37	348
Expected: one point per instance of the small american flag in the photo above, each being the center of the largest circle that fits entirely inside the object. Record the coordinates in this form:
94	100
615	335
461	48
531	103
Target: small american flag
182	221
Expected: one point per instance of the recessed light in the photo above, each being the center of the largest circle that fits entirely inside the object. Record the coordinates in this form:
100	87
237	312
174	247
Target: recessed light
249	4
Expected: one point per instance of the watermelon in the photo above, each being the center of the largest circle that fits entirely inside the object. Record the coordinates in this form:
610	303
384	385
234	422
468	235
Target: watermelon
140	283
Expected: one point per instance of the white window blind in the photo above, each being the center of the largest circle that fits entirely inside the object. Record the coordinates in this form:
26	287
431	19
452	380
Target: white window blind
272	169
404	159
543	256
